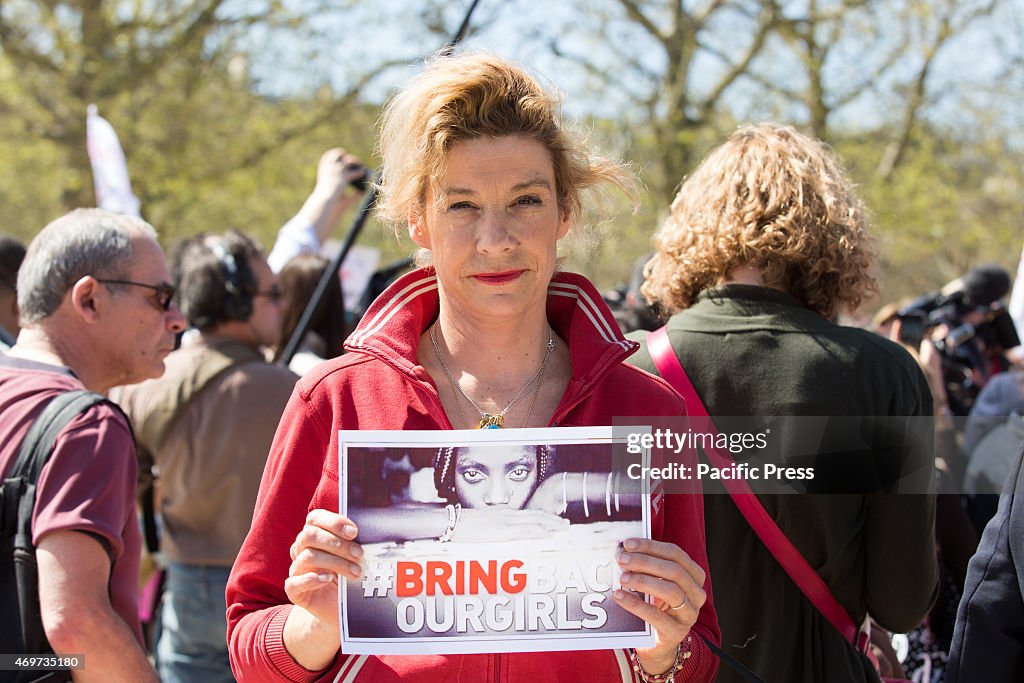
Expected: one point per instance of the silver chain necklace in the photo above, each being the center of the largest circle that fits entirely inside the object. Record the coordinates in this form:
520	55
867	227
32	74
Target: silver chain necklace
487	420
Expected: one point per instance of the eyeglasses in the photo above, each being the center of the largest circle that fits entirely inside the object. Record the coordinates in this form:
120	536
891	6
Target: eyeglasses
164	291
274	293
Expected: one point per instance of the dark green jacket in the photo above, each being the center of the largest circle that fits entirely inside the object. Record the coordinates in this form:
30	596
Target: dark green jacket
754	351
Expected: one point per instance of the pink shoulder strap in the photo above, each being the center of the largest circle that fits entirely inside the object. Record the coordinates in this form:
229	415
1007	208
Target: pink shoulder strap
781	548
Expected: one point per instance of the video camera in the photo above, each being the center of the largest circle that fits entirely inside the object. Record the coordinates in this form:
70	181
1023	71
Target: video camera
359	182
977	325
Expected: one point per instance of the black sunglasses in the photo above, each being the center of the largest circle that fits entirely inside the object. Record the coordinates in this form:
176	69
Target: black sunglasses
164	291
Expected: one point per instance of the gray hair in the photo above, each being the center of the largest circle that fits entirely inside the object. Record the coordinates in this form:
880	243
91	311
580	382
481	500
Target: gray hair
83	242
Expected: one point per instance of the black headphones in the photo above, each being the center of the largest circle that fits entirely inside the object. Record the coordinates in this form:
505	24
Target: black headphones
237	300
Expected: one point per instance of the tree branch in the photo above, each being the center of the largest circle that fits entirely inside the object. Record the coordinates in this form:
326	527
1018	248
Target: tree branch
769	19
330	112
896	149
634	12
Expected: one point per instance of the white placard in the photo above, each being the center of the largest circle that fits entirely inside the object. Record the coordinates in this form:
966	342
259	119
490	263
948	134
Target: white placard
489	540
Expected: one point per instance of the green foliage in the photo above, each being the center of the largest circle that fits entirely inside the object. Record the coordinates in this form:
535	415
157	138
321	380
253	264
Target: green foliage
205	151
952	204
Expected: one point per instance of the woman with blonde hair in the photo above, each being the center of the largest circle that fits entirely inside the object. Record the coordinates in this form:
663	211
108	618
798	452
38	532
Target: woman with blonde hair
766	243
479	170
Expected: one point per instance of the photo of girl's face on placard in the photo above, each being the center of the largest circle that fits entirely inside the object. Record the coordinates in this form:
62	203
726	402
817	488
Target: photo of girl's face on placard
488	476
495	476
492	540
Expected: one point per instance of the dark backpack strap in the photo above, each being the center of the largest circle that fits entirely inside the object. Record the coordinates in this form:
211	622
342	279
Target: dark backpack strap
39	442
736	665
34	452
150	529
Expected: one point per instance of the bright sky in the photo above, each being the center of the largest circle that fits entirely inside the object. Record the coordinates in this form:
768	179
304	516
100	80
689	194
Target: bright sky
365	34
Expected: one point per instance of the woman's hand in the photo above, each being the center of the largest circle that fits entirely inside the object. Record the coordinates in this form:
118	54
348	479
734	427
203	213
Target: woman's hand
674	581
323	551
505	524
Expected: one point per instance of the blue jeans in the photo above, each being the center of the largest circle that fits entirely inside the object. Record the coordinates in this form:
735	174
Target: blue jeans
192	642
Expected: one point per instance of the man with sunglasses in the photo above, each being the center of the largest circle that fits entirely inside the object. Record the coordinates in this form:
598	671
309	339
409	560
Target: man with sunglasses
94	313
206	427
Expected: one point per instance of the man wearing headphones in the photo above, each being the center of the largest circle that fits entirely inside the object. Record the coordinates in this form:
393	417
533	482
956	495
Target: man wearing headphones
204	430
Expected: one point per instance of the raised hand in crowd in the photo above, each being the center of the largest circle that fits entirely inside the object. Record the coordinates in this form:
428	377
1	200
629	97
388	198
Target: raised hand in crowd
341	180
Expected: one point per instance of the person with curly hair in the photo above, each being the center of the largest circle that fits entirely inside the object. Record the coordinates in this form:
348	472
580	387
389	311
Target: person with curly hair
771	207
766	243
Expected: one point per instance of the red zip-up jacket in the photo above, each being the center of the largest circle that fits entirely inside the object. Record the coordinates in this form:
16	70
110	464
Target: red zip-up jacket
380	385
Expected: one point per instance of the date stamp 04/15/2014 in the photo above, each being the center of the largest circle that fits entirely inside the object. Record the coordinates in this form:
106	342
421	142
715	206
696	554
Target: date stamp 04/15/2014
16	662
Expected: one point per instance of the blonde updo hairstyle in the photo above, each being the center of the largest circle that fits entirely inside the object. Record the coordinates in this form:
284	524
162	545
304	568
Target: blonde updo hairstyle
774	199
471	96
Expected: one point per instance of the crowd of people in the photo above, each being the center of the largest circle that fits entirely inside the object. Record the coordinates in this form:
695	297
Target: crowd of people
232	454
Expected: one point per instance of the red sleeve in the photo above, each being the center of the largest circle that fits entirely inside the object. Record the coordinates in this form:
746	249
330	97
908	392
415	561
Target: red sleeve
257	606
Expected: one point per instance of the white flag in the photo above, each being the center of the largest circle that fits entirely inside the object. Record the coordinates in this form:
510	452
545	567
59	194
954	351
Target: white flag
1017	297
109	169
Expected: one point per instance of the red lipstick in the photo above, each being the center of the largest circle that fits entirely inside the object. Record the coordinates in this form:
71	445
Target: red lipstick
498	278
